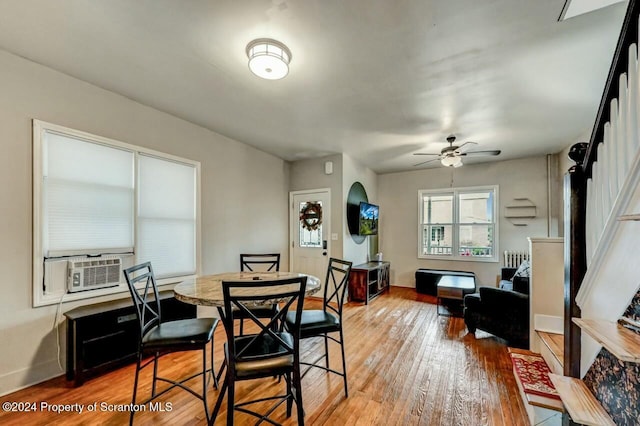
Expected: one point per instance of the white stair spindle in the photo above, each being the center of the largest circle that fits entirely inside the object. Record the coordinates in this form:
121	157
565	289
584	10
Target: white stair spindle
597	199
604	158
619	153
589	221
622	130
632	104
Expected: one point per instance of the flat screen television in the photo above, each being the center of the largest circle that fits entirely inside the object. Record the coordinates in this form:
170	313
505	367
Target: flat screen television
368	219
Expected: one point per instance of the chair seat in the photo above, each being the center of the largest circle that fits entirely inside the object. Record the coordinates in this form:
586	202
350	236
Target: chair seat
196	331
315	322
266	356
162	338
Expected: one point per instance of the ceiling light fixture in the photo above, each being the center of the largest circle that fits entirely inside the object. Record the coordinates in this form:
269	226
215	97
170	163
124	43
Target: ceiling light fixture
451	161
268	59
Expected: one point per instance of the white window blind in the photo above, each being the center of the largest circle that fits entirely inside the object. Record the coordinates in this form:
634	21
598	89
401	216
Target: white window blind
166	216
94	195
89	197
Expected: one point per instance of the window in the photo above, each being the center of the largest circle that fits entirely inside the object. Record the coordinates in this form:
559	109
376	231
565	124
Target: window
437	235
95	196
458	223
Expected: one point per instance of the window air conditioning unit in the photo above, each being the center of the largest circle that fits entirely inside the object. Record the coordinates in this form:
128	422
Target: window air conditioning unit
93	273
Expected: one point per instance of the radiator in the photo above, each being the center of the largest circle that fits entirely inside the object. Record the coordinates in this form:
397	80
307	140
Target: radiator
513	259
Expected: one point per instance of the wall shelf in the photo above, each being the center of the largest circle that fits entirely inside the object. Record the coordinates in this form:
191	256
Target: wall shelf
523	209
621	342
583	407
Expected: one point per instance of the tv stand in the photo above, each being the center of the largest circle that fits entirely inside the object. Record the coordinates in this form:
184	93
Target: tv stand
368	280
104	336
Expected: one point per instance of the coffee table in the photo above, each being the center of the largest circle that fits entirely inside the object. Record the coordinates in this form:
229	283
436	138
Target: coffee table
454	287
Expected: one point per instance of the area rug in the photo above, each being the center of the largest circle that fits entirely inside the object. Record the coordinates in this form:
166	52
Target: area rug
533	373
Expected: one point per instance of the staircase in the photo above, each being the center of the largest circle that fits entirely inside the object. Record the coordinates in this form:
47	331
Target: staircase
603	268
543	410
581	404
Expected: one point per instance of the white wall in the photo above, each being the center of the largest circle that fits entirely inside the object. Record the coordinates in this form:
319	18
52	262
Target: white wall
353	171
309	174
398	199
244	196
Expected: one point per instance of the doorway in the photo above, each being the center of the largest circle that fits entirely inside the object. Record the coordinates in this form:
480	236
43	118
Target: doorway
310	227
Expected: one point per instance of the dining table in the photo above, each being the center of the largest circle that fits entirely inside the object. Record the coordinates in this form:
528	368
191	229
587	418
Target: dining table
207	289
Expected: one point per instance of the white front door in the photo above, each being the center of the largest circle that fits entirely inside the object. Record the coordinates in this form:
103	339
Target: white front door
310	220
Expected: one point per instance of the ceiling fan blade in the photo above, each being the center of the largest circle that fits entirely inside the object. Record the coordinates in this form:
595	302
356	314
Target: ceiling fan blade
481	153
463	148
426	162
423	153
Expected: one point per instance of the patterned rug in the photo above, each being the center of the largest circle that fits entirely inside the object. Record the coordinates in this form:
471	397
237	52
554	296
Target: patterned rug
533	373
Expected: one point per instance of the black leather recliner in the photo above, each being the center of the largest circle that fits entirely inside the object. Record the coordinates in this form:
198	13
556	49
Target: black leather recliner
500	311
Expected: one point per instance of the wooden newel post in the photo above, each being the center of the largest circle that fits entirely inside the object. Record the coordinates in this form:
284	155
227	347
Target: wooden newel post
575	259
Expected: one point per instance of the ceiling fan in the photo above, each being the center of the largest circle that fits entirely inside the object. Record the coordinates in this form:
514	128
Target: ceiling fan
451	156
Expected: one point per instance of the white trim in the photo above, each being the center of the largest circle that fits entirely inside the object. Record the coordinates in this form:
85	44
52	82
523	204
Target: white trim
292	229
547	240
455	225
33	374
39	127
548	323
623	201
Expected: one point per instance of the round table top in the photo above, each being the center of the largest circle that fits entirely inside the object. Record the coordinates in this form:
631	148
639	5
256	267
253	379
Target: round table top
207	290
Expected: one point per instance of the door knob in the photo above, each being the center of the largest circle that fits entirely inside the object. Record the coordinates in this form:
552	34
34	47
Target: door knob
324	253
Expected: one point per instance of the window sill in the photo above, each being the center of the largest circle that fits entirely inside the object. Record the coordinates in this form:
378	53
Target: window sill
53	298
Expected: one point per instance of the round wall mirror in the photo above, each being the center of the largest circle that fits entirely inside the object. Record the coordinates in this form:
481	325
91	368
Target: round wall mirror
357	194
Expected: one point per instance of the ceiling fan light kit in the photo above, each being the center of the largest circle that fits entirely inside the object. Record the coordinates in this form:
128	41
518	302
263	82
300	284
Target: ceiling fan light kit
268	58
451	156
451	161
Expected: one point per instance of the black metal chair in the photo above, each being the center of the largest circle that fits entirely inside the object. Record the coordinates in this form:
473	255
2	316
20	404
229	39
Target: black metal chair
267	262
265	354
320	323
161	338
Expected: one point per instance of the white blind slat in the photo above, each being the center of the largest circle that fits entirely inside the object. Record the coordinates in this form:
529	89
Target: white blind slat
166	216
88	193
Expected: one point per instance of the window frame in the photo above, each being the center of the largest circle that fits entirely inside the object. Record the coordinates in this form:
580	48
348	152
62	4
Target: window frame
455	225
42	295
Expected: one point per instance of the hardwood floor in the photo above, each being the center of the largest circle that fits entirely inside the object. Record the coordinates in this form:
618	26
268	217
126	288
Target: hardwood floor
406	366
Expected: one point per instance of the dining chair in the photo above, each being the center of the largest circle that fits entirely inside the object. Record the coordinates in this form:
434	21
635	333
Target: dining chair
160	338
266	262
325	322
272	351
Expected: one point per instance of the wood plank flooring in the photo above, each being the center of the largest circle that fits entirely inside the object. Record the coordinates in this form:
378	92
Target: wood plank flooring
406	366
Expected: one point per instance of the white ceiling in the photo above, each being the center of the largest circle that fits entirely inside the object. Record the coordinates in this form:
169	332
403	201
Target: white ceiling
376	79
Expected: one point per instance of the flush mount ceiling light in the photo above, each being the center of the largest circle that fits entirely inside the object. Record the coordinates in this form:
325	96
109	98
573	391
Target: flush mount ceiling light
268	58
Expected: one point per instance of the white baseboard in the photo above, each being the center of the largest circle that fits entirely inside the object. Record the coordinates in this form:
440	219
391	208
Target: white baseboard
20	379
548	323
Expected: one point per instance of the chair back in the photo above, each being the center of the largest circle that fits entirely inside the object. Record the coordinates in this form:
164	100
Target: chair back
335	286
145	298
241	296
269	262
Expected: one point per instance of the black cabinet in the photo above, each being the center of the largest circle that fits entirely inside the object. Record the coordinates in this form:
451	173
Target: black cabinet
104	336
